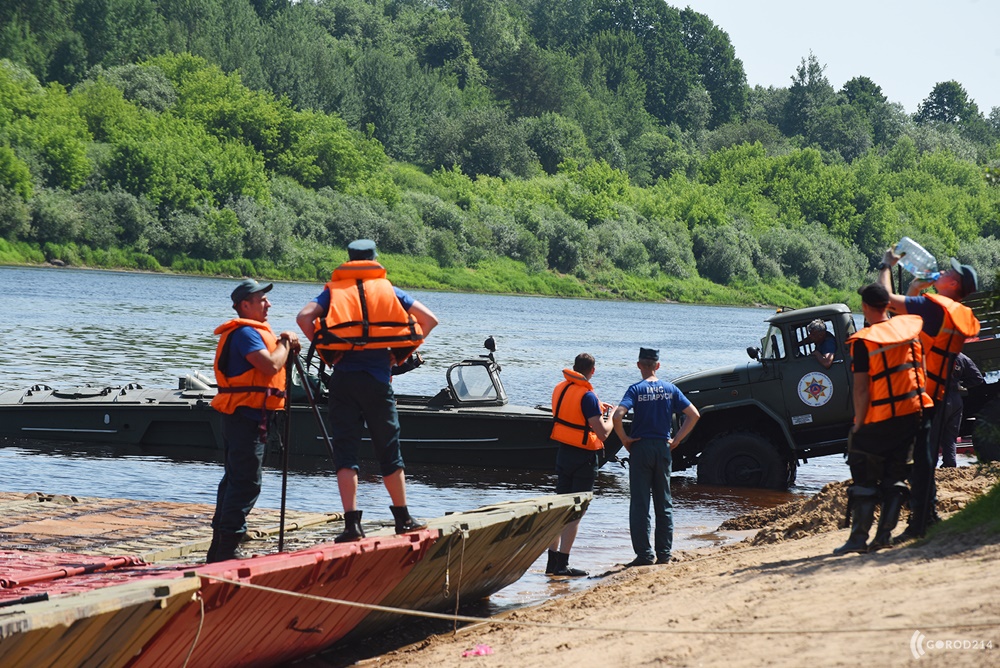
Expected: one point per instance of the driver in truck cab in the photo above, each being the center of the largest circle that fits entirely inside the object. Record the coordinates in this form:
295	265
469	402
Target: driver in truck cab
825	343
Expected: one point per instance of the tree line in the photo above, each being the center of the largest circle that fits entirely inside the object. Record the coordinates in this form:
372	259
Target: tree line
598	147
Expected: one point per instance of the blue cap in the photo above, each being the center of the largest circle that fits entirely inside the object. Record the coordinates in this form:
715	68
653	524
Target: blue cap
649	354
362	249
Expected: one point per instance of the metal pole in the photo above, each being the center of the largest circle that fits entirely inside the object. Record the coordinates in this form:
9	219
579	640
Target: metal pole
285	445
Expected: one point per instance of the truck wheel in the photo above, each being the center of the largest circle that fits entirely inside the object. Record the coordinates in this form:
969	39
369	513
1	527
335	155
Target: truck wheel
742	459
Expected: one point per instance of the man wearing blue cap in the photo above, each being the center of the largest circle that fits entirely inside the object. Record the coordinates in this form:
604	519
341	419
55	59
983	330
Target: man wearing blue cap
363	326
653	403
249	365
947	323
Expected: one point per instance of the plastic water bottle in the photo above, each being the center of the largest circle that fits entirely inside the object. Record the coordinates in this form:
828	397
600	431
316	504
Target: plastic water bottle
916	260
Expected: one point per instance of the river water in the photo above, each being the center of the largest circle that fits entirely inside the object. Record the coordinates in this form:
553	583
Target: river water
67	327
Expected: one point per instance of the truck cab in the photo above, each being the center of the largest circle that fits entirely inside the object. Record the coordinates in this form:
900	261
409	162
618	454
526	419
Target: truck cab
761	418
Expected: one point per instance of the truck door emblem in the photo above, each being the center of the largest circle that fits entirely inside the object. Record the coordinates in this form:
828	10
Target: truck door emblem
815	389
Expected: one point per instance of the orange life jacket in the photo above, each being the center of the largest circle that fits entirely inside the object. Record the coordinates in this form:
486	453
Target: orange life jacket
252	388
958	324
569	425
364	314
895	368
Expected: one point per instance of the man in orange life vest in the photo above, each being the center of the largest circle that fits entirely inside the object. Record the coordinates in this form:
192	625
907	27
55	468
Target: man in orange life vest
362	326
889	400
249	370
946	325
581	429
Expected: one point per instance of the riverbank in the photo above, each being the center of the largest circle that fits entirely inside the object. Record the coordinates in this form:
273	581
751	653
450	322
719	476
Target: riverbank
495	276
778	598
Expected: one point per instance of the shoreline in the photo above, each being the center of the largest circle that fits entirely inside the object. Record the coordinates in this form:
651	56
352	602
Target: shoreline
778	597
450	289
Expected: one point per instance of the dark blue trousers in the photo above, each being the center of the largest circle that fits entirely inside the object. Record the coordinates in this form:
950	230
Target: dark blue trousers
649	477
357	398
240	485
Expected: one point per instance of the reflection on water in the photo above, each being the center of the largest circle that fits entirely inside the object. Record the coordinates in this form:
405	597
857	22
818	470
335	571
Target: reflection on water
68	328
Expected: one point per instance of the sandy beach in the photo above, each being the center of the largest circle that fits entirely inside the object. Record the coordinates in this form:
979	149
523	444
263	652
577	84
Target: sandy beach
778	597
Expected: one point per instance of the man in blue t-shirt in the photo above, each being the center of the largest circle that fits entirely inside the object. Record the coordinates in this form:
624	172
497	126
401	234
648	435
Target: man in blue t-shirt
653	403
360	393
825	343
244	415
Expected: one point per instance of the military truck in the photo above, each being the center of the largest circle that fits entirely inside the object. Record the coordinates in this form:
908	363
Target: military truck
760	419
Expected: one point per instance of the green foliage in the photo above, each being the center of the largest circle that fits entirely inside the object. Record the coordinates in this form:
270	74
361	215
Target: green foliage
588	147
481	140
15	215
726	255
146	86
19	252
15	177
555	139
55	216
118	218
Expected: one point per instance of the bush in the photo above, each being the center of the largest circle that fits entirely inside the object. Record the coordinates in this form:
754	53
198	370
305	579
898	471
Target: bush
15	216
116	217
55	217
670	247
554	139
623	241
568	242
725	255
811	256
444	248
15	177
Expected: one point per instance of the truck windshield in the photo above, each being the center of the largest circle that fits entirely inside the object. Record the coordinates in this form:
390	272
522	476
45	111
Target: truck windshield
773	344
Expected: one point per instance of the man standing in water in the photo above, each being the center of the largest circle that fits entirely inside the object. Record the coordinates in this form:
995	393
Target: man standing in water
249	370
363	326
581	423
946	324
654	403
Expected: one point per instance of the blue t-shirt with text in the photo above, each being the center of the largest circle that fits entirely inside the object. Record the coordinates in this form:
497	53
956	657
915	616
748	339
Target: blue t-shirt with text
653	404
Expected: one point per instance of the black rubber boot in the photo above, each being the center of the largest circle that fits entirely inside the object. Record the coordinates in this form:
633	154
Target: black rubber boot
225	547
888	518
213	548
862	516
352	528
553	562
405	523
563	570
